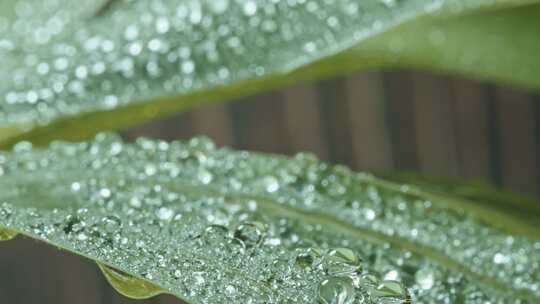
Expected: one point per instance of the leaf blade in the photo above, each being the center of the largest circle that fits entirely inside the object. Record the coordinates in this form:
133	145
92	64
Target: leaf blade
196	221
105	79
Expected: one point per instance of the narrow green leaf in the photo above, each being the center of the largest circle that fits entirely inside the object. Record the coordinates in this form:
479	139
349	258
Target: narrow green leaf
213	225
68	74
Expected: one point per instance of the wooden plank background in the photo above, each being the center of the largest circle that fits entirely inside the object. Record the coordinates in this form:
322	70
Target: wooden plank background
376	121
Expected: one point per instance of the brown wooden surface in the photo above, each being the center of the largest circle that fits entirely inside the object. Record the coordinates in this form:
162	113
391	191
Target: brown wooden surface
371	121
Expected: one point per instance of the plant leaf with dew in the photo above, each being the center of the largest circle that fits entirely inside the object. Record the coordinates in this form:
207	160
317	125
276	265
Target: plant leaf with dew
72	68
213	225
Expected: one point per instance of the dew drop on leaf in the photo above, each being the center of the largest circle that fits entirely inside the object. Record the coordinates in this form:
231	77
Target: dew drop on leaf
111	223
215	234
7	234
164	213
341	261
129	285
425	278
251	234
369	280
336	290
308	258
391	292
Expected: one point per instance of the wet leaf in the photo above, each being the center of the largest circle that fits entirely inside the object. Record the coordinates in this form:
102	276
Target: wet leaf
213	225
71	68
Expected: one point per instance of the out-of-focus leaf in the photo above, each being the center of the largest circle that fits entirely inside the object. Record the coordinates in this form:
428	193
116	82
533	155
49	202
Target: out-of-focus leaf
218	226
67	73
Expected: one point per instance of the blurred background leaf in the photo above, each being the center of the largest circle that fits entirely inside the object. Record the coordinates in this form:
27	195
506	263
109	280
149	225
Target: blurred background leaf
69	74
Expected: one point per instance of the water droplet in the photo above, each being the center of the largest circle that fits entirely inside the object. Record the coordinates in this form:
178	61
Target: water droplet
392	290
336	290
370	280
425	278
271	184
105	193
215	235
164	213
230	290
251	234
111	223
342	261
250	8
129	285
500	258
7	234
390	3
391	275
205	176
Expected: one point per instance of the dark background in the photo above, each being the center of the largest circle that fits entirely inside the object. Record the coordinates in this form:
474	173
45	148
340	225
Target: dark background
377	121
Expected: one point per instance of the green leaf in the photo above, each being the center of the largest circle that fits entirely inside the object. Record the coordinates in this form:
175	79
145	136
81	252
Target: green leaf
214	225
68	73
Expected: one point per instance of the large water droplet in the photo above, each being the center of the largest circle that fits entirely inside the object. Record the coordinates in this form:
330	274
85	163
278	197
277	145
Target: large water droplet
215	234
251	234
7	234
336	290
342	261
391	292
369	279
129	285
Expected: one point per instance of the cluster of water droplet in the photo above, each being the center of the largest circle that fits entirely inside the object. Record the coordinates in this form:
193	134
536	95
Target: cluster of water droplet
216	225
60	59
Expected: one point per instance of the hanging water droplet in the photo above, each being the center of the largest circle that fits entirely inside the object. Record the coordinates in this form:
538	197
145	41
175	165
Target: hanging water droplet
7	234
129	285
251	233
336	290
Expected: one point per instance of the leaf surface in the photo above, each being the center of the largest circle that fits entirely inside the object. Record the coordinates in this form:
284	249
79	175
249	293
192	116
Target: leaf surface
68	73
213	225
